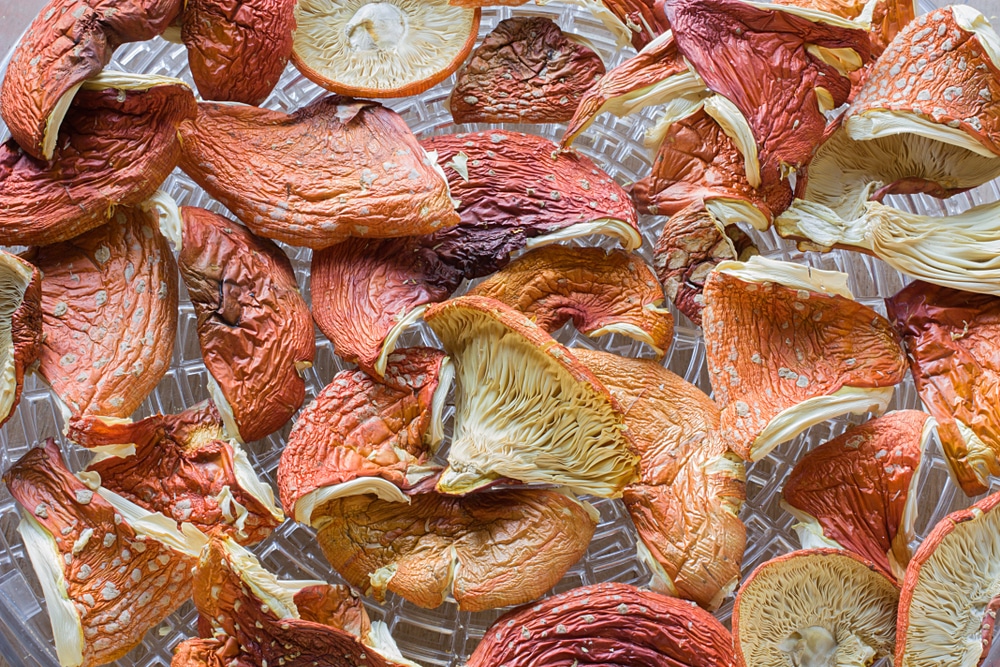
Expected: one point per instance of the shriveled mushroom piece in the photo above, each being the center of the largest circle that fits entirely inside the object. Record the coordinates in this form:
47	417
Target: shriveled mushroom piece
333	169
602	292
488	549
109	314
883	19
815	607
362	435
788	347
183	467
69	42
255	329
116	146
951	337
109	569
390	48
525	71
20	327
686	503
525	407
948	607
858	491
605	624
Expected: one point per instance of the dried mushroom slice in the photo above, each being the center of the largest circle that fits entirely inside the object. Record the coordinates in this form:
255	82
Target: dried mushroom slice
333	169
525	71
686	502
109	569
948	607
525	407
183	467
255	329
486	550
602	292
391	48
605	624
20	327
815	607
788	347
116	146
951	337
858	491
69	42
363	435
883	19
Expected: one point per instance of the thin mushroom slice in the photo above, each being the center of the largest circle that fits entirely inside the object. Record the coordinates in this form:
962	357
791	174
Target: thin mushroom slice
364	435
815	607
951	593
244	294
525	407
183	467
601	292
20	327
487	550
788	347
605	624
686	502
951	337
333	169
858	491
109	569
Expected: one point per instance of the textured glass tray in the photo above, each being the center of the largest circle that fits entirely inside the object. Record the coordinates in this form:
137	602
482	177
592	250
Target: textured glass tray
445	636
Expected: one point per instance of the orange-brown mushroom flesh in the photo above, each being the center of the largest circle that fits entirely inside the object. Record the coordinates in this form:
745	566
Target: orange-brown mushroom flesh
20	327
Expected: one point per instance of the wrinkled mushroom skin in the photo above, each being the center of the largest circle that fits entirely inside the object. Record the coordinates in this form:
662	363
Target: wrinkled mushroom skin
644	18
115	149
601	292
606	625
335	606
21	302
109	314
488	549
254	327
69	42
237	51
202	653
525	71
334	169
951	337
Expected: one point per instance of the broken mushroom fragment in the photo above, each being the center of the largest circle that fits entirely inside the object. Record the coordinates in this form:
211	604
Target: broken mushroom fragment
605	624
787	347
333	169
602	292
20	327
858	491
391	48
525	71
255	329
109	569
815	607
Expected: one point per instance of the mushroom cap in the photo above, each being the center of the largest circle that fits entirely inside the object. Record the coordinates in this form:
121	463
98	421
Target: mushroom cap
243	290
788	347
815	607
525	407
20	327
392	48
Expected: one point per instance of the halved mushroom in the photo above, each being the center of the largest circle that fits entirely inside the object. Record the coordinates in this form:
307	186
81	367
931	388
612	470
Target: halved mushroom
605	624
602	292
525	71
525	407
788	347
362	435
67	43
686	503
244	293
116	146
951	337
951	593
109	314
333	169
858	491
815	607
183	467
390	48
20	327
109	569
